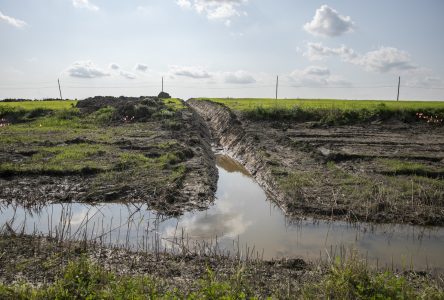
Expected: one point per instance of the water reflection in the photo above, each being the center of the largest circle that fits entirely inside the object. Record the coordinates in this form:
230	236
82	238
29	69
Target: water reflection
241	214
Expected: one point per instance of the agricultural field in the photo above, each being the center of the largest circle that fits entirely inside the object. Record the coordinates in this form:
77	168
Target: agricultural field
336	112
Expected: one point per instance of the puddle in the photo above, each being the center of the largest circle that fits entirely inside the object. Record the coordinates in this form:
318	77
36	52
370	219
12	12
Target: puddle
241	221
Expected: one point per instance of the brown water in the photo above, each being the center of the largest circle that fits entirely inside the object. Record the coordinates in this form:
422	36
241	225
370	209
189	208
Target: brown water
244	221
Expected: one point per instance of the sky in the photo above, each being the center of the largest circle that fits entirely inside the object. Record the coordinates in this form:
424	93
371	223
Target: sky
222	48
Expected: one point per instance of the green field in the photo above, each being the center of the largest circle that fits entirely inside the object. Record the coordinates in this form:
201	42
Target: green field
336	112
243	104
31	105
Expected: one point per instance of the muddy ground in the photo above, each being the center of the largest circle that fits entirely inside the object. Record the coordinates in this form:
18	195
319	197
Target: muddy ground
143	150
383	172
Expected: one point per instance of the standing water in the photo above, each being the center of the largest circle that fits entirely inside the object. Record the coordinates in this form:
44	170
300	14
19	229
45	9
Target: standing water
242	220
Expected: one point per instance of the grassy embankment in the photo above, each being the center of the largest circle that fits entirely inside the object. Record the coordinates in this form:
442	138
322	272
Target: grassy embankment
386	174
336	112
55	138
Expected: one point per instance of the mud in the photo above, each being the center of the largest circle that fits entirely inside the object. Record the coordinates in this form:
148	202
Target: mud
182	132
338	172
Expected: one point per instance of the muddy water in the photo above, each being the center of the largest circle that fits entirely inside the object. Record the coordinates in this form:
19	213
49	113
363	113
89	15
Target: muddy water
244	222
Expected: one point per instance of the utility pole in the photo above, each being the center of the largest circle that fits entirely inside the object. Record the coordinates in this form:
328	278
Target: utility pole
277	86
399	85
162	83
60	90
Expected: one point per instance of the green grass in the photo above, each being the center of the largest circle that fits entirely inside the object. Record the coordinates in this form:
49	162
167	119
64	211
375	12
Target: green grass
334	112
174	104
351	279
32	105
400	167
243	104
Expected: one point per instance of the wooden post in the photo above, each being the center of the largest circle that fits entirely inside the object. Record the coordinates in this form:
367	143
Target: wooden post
277	86
399	85
60	90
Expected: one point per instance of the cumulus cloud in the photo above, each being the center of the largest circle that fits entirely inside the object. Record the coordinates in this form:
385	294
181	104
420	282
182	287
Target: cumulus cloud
127	75
386	59
141	67
195	72
114	66
86	69
85	4
12	21
328	22
315	76
223	10
239	77
382	60
316	51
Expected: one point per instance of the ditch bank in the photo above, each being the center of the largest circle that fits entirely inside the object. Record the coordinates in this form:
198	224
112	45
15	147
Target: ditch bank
357	173
227	132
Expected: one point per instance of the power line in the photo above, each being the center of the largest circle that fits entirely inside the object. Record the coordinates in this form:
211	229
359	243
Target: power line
212	87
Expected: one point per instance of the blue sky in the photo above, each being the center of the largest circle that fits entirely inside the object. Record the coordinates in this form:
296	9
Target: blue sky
222	48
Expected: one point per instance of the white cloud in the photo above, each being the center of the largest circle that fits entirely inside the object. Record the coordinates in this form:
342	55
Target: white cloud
86	69
316	51
195	72
12	21
141	67
315	76
328	22
427	81
223	10
114	66
386	59
127	75
239	77
382	60
85	4
184	3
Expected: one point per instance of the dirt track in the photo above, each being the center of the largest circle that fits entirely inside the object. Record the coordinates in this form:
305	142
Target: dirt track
341	172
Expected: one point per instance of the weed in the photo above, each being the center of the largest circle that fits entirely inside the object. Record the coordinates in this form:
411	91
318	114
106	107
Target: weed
351	279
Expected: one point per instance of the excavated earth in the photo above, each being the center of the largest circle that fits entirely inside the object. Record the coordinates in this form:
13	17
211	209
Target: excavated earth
338	172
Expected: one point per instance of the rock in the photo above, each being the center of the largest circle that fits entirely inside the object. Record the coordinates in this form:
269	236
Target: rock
164	95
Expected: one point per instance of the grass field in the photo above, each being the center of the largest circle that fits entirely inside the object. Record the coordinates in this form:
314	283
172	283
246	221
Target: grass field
336	112
243	104
31	105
